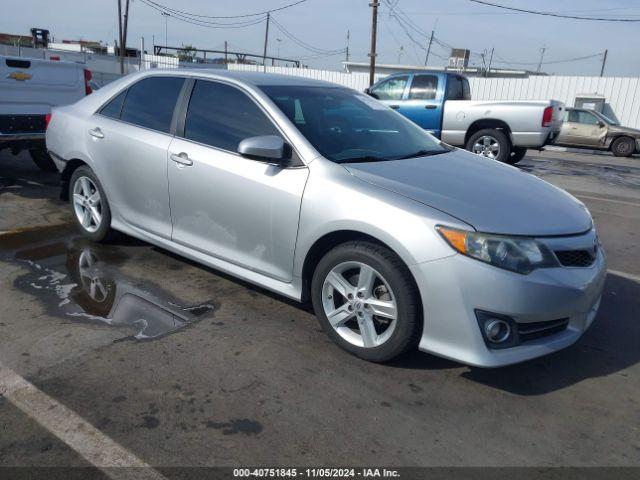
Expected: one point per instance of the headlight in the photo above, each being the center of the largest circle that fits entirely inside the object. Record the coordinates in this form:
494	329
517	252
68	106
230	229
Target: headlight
518	254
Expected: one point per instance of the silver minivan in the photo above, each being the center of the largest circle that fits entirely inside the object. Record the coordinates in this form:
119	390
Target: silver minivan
323	194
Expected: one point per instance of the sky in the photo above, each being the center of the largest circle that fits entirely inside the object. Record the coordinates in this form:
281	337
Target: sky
517	38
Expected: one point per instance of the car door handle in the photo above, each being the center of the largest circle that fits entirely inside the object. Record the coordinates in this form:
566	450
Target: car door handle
430	107
96	132
181	159
395	107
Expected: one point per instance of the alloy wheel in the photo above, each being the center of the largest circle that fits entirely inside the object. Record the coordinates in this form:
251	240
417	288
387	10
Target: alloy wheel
359	304
487	146
87	204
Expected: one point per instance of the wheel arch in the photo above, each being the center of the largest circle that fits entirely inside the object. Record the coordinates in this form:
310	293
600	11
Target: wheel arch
70	167
483	123
616	136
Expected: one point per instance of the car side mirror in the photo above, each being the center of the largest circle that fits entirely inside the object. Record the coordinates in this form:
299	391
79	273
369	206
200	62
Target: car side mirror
601	124
371	94
269	148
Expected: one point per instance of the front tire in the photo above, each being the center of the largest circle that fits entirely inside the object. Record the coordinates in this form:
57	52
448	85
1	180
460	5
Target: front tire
43	160
490	143
89	205
366	300
623	147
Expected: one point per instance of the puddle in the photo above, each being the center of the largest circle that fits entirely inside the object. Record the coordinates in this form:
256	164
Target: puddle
82	281
611	175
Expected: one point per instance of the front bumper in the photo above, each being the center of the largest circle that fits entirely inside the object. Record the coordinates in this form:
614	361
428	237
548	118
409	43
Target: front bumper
453	288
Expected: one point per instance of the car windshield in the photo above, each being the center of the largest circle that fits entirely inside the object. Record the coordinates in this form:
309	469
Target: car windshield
347	126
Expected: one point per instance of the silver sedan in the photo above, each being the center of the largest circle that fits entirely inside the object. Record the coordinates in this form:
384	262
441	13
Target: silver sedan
323	194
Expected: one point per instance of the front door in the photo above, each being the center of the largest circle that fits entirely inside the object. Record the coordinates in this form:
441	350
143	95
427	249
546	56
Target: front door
421	105
581	128
128	141
241	210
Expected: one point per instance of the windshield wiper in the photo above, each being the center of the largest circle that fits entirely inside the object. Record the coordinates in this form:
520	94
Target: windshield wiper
367	158
422	153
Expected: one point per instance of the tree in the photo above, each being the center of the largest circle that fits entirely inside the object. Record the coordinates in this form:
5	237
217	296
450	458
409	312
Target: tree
187	53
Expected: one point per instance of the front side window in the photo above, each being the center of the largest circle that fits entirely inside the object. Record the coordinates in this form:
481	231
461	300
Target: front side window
113	108
222	116
423	87
347	126
150	102
391	89
581	116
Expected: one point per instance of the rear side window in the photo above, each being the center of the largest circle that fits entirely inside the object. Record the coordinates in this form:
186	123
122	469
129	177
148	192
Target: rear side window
151	101
114	107
423	87
458	89
222	116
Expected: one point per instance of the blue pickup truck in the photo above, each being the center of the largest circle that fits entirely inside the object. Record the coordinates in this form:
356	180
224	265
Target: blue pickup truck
441	103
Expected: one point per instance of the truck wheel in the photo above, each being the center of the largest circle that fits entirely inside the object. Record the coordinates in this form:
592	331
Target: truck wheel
42	159
517	154
490	143
366	301
623	147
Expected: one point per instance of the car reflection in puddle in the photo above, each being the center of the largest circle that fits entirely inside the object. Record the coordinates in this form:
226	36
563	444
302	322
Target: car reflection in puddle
81	280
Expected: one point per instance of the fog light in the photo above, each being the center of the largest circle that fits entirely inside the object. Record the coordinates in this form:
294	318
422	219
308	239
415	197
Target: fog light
497	331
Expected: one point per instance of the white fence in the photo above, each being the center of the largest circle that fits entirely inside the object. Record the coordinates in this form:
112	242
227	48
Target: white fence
622	94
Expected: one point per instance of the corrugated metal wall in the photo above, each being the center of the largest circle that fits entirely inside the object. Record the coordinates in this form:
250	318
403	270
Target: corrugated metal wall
622	94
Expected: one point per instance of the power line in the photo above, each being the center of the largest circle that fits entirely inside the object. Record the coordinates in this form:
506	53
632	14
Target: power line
256	14
552	14
204	23
303	44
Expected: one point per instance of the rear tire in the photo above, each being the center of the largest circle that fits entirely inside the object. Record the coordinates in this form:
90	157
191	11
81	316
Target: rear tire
375	310
623	147
90	206
517	154
490	143
43	160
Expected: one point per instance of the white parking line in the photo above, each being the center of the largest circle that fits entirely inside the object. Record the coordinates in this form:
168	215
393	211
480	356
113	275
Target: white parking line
628	276
600	199
95	447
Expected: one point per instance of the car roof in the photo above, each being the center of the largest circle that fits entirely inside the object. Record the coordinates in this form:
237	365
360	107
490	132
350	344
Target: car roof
258	79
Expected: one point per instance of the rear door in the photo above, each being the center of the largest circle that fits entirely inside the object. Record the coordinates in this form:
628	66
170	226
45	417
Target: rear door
422	104
241	210
128	141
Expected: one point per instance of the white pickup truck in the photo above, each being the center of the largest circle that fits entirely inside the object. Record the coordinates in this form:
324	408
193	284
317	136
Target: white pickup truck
440	102
29	88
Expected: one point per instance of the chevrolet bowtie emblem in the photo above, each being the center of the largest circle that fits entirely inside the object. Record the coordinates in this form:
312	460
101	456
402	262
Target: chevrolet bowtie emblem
19	76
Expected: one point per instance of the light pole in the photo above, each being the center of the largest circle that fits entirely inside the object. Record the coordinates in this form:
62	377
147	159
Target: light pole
278	40
166	21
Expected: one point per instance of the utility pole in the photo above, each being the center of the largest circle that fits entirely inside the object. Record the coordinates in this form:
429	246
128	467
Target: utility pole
542	50
347	51
374	32
490	60
124	35
426	60
604	62
266	41
120	37
226	59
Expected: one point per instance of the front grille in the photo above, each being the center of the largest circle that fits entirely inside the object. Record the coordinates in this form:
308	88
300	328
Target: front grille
22	124
531	331
575	258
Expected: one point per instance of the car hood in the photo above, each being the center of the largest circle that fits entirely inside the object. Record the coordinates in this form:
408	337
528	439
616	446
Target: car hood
490	196
620	129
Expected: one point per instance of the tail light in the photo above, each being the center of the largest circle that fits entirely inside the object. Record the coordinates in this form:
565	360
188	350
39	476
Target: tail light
54	57
87	79
47	119
547	116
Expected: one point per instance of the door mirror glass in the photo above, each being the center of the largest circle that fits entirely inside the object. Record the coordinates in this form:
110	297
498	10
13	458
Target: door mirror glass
264	147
